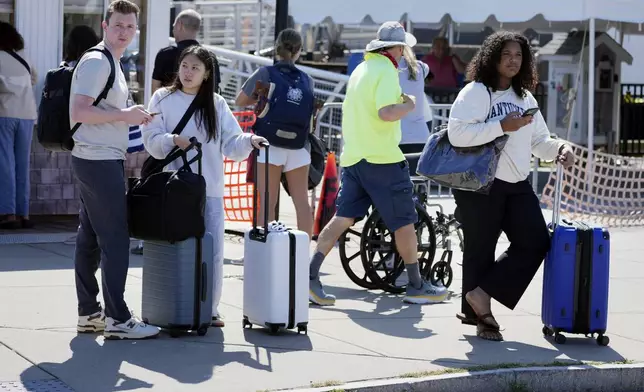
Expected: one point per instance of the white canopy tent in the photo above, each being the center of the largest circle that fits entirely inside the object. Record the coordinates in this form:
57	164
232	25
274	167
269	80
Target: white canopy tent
544	15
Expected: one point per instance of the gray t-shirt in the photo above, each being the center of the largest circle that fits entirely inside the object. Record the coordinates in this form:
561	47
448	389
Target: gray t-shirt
105	141
261	74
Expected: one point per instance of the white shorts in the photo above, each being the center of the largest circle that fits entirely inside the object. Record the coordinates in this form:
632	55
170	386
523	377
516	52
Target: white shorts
290	159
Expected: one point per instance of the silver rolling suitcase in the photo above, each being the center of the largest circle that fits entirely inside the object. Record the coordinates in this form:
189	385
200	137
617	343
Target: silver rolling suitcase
177	287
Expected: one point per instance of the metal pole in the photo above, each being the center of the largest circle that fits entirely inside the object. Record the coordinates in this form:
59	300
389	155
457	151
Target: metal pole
281	23
591	104
281	16
258	33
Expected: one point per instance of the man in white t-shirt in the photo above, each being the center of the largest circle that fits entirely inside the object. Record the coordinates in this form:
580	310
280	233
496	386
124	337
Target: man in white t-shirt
97	161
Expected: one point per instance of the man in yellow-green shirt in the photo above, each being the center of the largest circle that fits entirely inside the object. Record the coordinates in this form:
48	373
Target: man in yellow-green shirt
375	171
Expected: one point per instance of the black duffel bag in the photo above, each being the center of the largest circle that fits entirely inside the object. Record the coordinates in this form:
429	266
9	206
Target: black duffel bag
169	205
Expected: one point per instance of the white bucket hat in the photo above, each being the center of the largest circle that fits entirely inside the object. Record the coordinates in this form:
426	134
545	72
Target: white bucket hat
391	34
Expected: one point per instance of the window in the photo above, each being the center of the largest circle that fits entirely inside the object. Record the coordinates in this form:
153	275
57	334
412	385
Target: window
6	11
83	12
134	57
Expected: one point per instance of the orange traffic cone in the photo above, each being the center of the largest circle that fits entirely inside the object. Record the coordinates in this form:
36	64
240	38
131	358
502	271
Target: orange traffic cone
326	204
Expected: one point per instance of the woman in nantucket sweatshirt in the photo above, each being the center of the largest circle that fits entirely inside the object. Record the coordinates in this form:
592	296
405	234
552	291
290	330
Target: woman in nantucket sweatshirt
215	126
502	73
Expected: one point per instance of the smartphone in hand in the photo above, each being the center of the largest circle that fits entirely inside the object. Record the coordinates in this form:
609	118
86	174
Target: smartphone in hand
530	112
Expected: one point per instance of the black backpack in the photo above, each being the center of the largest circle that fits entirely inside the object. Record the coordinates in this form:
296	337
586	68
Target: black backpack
54	130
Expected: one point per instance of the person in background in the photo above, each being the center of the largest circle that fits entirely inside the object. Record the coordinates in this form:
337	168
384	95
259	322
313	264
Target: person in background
445	66
293	162
166	64
374	170
216	128
503	73
78	40
416	125
17	115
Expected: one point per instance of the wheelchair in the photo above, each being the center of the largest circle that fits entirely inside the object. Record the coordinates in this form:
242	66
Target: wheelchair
369	257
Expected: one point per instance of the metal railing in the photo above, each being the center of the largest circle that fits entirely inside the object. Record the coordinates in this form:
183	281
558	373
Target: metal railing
329	129
243	25
236	67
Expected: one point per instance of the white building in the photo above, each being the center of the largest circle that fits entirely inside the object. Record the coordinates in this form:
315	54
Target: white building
44	24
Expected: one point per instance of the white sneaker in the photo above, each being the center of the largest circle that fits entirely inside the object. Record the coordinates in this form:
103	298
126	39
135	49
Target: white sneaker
131	329
92	323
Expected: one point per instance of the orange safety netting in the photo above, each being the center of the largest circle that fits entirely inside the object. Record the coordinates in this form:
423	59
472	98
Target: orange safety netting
238	194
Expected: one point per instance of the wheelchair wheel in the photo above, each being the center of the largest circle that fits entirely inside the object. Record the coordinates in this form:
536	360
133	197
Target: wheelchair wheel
349	249
384	266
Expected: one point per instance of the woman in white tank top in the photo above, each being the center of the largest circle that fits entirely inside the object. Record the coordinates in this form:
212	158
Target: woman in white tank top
415	125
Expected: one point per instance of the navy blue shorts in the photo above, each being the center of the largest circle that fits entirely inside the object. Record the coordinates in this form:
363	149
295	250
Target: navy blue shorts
387	187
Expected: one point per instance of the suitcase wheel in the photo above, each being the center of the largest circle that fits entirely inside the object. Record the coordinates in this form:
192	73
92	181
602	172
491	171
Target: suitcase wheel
603	340
560	339
246	323
547	331
302	328
274	329
203	330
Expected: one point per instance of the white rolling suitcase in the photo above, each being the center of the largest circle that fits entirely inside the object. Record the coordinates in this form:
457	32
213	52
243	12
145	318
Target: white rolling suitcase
276	274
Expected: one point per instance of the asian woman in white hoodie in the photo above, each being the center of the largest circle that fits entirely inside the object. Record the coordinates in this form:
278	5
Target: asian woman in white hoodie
215	126
494	104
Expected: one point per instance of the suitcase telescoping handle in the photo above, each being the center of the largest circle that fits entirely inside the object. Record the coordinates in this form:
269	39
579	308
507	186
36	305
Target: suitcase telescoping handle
257	234
556	205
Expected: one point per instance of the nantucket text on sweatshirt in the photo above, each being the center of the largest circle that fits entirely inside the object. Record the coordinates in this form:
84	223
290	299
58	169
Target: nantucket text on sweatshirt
475	120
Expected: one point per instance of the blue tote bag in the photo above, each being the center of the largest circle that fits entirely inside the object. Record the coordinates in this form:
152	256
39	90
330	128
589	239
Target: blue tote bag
464	168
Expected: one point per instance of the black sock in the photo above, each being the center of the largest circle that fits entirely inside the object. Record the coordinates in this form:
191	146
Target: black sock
413	271
316	263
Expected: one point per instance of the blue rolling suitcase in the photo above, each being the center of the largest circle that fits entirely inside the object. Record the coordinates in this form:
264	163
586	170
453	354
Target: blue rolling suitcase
576	274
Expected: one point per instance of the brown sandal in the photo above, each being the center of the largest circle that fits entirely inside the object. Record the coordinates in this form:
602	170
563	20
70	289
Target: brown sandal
485	328
475	321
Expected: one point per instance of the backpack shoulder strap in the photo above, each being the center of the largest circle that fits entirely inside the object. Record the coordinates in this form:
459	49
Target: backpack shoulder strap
20	59
112	76
110	79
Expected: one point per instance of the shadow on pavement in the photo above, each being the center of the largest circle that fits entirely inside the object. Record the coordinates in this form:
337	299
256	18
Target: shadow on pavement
46	257
508	352
100	367
387	306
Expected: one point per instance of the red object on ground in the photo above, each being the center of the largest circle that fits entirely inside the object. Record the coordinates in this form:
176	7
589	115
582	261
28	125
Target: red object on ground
326	204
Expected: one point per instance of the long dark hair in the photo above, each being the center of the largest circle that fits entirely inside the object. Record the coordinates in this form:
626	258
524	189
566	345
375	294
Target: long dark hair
205	114
79	39
11	38
483	67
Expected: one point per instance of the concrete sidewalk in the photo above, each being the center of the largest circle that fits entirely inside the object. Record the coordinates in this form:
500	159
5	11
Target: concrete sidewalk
367	335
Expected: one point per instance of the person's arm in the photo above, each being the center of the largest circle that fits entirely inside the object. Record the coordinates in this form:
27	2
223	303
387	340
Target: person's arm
34	74
543	146
235	144
424	68
245	96
157	140
388	99
466	126
459	65
90	78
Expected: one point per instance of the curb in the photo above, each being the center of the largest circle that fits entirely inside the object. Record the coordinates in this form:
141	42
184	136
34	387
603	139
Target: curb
587	378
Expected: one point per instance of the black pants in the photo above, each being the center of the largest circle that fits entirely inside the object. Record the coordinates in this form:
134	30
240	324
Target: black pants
103	237
513	209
